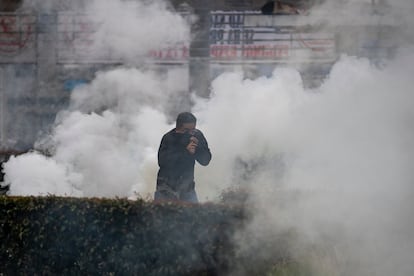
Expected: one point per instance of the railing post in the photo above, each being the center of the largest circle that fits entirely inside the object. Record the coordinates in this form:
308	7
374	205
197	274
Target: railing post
2	112
199	64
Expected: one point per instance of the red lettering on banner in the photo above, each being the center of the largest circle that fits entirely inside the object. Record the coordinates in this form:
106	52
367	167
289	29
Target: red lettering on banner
170	53
266	51
155	54
223	51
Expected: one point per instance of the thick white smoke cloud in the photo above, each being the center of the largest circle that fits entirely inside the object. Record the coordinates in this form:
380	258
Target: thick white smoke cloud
334	164
129	29
349	155
46	176
244	119
346	154
105	143
107	138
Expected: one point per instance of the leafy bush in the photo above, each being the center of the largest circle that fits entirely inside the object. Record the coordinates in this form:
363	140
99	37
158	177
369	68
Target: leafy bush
79	236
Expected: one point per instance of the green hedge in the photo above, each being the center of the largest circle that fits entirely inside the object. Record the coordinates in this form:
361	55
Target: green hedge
79	236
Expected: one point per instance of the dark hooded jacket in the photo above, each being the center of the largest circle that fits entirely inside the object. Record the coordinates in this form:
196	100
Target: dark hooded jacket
176	163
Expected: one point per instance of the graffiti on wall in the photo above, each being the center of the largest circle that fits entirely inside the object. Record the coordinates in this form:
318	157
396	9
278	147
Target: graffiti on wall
17	35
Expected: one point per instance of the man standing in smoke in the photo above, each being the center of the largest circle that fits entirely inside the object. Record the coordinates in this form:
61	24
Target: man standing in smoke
179	149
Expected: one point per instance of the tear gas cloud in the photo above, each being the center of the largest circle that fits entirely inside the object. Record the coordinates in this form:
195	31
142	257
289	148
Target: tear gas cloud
112	127
334	163
152	24
346	151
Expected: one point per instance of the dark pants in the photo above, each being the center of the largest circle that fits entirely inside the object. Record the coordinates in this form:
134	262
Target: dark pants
169	195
